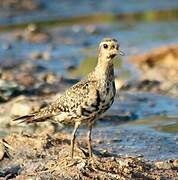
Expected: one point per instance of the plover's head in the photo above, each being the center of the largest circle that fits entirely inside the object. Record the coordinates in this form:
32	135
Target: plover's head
108	48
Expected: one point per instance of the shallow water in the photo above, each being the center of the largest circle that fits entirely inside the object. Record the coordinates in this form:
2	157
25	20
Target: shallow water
61	9
152	129
134	39
152	132
137	140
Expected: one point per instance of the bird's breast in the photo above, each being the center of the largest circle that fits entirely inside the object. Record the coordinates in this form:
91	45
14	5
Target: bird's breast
94	105
107	94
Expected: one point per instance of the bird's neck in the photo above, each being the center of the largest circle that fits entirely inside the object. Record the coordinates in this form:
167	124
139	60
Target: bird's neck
104	70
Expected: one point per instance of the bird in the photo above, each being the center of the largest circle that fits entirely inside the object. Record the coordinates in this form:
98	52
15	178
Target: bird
85	101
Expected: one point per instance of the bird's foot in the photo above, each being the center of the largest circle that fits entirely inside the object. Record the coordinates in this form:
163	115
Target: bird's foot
72	161
93	163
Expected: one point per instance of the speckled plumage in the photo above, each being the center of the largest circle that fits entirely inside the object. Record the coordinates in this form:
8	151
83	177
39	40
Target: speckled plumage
88	99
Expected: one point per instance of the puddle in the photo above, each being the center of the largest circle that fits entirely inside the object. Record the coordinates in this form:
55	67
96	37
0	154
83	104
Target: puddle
137	140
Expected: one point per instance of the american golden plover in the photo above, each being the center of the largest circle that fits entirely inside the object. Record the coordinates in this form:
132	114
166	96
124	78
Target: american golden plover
85	101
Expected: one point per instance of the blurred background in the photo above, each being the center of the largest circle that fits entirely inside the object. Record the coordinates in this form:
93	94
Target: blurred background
46	46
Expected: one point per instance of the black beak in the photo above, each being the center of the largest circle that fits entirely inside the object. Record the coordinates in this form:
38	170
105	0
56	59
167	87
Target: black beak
112	56
121	53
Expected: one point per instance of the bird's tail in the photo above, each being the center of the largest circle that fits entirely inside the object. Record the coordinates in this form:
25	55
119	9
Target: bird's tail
31	118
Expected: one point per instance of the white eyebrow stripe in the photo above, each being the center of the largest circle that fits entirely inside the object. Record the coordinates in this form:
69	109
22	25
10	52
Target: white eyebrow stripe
108	43
105	43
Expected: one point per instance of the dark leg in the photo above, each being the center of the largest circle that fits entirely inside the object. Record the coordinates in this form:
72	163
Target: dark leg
73	139
89	140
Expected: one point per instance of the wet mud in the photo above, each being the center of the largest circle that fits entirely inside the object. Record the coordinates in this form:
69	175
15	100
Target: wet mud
46	156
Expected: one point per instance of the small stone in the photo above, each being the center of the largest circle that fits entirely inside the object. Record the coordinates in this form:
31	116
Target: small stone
175	163
113	158
47	55
50	78
163	165
38	55
20	108
31	28
99	141
25	79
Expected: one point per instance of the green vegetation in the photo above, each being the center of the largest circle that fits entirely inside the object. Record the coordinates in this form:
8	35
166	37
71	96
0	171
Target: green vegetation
88	65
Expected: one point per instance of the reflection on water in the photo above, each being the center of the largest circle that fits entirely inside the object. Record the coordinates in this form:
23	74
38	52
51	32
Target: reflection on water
160	123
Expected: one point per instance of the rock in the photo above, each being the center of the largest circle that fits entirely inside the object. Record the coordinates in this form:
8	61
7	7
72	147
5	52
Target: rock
160	65
163	165
50	78
175	163
22	106
164	56
26	79
10	172
46	55
8	89
32	28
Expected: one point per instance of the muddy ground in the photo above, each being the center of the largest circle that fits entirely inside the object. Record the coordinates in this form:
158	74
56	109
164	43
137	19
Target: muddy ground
46	156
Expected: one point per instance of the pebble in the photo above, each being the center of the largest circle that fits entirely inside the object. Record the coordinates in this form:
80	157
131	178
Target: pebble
50	78
46	55
31	28
20	108
175	163
25	79
163	165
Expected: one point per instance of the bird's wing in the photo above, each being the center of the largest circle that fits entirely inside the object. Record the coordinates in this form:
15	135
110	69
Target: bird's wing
80	93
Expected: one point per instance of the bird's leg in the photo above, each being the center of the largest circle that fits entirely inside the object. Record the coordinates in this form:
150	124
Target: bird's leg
89	139
73	138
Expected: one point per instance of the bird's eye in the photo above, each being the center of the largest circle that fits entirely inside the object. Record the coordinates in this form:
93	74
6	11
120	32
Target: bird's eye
105	46
117	47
